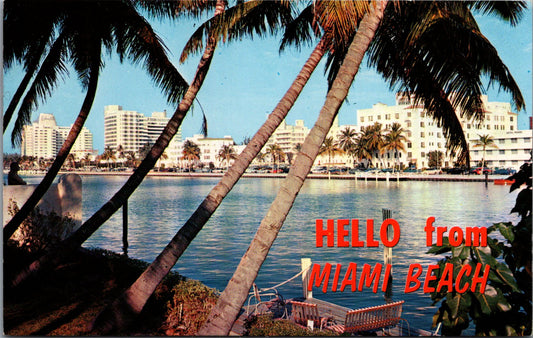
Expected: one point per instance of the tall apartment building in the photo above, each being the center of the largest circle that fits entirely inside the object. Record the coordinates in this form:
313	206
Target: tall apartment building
44	138
132	130
287	136
425	136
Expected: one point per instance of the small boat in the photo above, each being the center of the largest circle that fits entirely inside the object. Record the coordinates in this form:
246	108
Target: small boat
503	182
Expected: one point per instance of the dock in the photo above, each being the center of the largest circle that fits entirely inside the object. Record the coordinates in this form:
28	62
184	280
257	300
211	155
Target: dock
269	301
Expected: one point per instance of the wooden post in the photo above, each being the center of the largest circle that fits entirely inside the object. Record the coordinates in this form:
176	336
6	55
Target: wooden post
306	267
387	254
125	227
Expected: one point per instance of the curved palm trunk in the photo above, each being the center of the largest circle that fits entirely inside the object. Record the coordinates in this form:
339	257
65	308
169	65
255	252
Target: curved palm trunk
48	179
133	300
121	196
230	302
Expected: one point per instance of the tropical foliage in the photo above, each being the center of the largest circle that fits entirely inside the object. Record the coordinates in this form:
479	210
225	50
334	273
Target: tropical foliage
227	153
191	153
484	141
505	308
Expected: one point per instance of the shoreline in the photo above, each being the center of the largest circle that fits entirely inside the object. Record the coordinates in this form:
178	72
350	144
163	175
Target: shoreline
390	177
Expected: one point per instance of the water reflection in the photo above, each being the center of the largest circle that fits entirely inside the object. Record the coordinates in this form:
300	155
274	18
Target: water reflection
160	206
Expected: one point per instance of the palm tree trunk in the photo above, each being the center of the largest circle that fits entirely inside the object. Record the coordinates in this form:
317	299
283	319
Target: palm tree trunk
231	300
134	299
48	179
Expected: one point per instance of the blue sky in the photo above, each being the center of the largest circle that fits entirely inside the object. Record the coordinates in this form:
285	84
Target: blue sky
246	81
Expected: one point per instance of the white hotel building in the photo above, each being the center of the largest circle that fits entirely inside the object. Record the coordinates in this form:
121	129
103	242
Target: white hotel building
132	130
424	136
44	138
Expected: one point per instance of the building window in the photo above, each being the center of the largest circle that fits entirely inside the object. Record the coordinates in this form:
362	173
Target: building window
387	116
408	124
511	128
514	151
409	154
422	154
422	144
511	119
408	114
379	117
409	145
362	119
514	140
397	115
502	152
422	134
371	118
421	123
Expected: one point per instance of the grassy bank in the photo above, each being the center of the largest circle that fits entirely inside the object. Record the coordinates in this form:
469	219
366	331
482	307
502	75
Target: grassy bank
64	301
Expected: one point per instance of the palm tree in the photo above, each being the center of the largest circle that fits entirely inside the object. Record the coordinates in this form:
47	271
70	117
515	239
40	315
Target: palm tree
435	158
135	297
229	303
71	158
225	312
131	159
484	141
227	153
276	154
191	153
346	140
121	196
330	148
79	41
393	141
372	136
109	156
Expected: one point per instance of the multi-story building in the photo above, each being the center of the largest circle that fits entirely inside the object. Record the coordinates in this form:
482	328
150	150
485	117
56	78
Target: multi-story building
288	137
44	138
132	130
510	150
209	150
423	133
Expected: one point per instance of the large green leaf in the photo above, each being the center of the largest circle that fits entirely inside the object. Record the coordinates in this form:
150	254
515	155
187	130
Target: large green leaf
498	272
461	251
506	229
458	303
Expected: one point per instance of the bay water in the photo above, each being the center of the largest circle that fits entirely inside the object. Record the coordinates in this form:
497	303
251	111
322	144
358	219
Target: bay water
161	205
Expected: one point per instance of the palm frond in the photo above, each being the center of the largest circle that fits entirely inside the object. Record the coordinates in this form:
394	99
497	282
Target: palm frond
510	11
51	70
300	30
141	45
256	17
173	9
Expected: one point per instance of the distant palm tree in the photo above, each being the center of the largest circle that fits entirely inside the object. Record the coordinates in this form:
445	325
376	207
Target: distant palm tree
435	158
346	140
191	153
484	141
394	141
276	154
71	158
109	156
131	159
330	148
372	136
226	153
360	148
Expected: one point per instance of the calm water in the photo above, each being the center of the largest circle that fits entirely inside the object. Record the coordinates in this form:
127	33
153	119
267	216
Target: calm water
160	206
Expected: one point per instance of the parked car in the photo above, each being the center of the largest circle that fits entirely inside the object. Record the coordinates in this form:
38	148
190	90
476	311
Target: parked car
504	171
456	171
411	170
477	171
320	170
